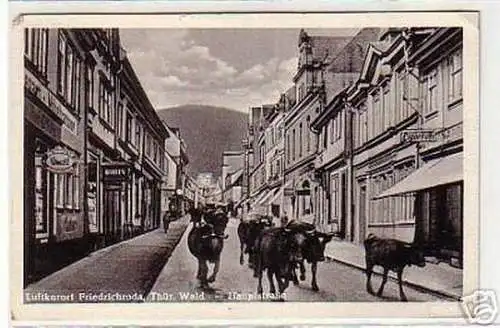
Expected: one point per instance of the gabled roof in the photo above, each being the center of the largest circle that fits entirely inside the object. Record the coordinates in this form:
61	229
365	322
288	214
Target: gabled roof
351	57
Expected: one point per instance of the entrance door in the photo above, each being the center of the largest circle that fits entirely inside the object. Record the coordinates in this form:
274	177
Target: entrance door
362	213
112	213
343	216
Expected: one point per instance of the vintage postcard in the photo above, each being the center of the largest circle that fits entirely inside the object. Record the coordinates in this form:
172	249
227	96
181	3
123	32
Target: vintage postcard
245	166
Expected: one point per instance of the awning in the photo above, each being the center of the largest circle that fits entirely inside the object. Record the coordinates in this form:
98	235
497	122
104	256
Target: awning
235	176
262	200
272	196
278	193
432	174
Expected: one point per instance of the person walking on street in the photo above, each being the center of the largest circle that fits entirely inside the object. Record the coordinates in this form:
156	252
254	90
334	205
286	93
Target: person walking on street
169	216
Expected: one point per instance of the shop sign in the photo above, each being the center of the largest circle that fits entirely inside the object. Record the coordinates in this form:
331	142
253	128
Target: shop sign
42	121
303	192
116	173
419	135
60	160
41	92
288	192
69	226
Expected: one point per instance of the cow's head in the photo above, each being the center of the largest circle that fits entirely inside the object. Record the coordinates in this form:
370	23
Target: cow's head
295	242
416	256
315	244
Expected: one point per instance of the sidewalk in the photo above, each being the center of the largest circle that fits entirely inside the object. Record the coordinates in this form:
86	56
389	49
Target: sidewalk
129	267
437	278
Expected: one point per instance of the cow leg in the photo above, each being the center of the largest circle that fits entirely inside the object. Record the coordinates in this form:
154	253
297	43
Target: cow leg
369	269
242	260
198	274
215	271
204	272
384	280
302	271
400	283
293	275
270	277
314	269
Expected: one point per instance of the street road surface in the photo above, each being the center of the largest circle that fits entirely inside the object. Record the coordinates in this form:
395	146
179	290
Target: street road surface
337	282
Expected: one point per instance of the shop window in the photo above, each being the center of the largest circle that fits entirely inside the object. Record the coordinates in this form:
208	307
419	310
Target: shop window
67	193
41	192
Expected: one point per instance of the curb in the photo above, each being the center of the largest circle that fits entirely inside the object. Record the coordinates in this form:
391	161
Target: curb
418	287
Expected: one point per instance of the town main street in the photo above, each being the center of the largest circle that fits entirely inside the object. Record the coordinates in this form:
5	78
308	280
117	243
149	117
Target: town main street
235	282
158	267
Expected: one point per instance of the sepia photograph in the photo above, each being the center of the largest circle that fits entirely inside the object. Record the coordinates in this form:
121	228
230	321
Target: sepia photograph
245	164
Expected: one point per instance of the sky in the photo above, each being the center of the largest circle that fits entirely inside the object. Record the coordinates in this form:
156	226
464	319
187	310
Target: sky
232	68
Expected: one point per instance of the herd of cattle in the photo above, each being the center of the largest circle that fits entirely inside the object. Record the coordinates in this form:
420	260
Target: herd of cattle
281	251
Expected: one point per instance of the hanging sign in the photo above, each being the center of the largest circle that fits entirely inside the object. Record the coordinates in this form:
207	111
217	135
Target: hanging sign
60	160
419	135
116	173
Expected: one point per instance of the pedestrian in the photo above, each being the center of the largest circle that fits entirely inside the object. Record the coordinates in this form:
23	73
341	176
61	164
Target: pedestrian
169	216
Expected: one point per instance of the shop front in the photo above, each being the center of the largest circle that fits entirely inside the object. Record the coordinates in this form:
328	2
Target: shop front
116	212
151	201
438	186
54	226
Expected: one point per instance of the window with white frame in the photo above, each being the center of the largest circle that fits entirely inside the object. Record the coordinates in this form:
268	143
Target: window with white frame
402	95
387	106
119	120
431	92
138	131
89	85
35	48
68	72
308	121
294	140
288	148
455	76
105	101
300	140
334	196
378	115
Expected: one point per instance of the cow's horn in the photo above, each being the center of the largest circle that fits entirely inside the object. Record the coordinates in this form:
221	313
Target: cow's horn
310	232
288	230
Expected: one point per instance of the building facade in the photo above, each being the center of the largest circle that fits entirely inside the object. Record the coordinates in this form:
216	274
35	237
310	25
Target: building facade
311	84
333	164
92	147
407	141
54	150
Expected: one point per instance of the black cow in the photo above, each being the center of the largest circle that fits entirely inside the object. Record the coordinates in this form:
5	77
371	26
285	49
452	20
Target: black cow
277	249
392	255
313	249
205	242
248	232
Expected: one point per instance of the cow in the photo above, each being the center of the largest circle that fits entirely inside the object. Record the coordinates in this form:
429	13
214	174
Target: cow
205	242
248	231
277	249
391	255
313	249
